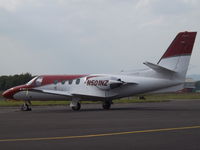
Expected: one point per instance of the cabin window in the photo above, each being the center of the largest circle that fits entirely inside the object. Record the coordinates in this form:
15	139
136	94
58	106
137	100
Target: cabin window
70	81
63	82
55	81
77	81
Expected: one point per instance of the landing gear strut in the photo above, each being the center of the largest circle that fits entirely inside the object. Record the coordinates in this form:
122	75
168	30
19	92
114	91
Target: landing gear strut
26	106
142	98
75	105
106	105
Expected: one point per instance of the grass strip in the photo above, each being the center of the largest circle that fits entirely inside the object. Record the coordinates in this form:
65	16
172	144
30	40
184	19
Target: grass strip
148	98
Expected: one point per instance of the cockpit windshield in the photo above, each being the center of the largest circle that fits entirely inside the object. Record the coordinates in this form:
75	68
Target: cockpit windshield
32	80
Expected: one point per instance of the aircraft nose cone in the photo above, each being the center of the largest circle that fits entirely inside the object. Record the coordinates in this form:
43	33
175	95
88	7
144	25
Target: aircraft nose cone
8	94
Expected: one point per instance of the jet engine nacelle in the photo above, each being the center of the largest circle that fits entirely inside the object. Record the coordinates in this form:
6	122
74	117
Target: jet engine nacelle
104	83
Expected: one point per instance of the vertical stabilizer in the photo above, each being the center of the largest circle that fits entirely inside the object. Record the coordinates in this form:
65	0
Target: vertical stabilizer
178	54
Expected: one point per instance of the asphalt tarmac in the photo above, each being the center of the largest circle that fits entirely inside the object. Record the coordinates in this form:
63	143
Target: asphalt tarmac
173	125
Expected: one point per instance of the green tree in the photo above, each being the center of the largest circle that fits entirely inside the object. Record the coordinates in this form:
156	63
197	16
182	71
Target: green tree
7	82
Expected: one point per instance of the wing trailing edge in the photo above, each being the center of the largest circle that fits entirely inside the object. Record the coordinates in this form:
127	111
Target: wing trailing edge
63	93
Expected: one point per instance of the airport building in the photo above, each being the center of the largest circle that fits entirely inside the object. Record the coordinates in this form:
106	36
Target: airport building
191	85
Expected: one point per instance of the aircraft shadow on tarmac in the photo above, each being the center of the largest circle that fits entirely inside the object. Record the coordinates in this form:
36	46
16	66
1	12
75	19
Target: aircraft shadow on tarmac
141	109
137	109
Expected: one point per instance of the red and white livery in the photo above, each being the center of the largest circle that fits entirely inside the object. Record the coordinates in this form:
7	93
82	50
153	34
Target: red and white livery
168	75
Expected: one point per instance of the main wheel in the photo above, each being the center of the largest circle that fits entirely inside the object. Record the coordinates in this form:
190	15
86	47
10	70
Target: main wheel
106	105
25	107
77	107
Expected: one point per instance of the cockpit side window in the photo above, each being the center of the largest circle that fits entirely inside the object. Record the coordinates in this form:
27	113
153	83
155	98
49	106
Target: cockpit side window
38	81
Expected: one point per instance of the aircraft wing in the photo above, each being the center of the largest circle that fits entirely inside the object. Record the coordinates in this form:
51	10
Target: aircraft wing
112	85
65	93
54	92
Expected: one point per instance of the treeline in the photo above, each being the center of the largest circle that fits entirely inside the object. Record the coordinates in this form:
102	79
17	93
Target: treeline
7	82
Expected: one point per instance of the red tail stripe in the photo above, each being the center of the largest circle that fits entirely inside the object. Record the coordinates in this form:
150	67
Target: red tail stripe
181	45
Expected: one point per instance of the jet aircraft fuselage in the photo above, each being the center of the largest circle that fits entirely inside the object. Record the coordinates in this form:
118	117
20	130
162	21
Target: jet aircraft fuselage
168	75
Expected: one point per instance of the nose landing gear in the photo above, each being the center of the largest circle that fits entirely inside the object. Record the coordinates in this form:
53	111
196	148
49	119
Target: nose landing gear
26	106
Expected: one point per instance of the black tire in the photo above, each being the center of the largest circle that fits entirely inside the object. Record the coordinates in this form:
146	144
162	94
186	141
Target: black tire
106	105
25	107
77	107
142	98
28	109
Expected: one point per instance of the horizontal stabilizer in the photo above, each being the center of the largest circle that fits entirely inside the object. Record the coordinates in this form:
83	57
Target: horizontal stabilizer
158	68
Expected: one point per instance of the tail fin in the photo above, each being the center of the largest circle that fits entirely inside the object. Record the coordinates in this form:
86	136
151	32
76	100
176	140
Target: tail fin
178	54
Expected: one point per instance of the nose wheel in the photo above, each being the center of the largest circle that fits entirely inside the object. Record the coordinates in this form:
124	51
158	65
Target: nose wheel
26	106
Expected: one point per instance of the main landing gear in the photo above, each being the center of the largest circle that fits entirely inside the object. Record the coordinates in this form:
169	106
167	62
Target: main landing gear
75	105
106	105
26	106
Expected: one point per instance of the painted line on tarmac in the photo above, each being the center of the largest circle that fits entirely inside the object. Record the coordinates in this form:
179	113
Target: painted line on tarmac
100	135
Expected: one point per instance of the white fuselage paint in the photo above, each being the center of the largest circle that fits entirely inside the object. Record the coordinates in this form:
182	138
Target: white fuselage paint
167	75
144	85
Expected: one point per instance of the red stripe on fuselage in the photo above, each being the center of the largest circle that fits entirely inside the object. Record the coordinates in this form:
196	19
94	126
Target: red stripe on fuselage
91	77
49	79
46	79
181	45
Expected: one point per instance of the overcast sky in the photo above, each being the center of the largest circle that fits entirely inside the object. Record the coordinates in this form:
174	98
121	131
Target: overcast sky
91	36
